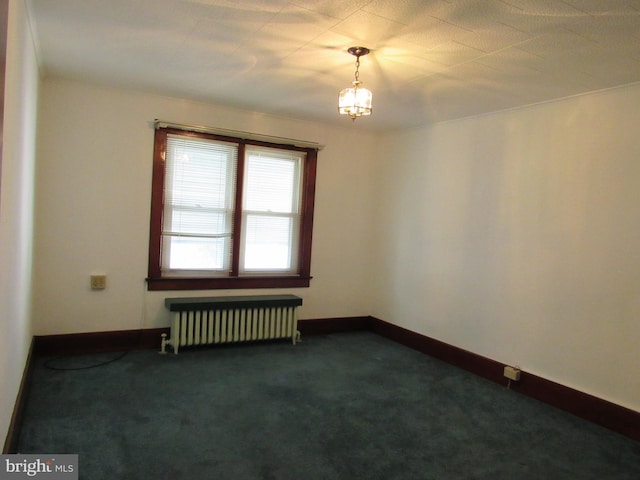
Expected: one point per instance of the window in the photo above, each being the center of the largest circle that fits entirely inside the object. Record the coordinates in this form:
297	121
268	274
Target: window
229	212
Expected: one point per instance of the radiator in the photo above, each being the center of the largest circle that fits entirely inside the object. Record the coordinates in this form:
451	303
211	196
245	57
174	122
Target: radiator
212	320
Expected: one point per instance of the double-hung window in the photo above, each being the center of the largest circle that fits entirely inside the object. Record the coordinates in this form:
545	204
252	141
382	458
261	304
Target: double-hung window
229	212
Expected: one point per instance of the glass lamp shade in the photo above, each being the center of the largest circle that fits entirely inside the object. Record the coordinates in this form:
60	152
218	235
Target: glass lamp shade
355	101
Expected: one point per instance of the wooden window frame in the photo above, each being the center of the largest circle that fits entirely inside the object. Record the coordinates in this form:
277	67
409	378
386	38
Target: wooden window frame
155	279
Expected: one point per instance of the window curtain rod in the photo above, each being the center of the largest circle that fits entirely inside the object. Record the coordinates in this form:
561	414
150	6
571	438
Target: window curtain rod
238	134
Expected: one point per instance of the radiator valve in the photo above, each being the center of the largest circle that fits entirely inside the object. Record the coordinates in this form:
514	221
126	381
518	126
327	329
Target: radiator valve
163	344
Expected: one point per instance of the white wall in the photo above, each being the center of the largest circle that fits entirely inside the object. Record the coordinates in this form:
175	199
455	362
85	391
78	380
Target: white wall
16	207
512	235
94	186
516	236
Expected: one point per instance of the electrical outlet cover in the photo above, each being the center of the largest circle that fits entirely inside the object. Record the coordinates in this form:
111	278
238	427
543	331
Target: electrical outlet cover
512	373
98	282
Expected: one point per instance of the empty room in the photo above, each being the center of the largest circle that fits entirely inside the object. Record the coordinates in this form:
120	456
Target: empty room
321	239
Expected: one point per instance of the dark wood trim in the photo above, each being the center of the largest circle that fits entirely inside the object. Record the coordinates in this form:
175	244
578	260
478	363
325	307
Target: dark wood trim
156	281
236	234
333	325
168	283
594	409
13	433
308	205
157	203
94	342
615	417
458	357
589	407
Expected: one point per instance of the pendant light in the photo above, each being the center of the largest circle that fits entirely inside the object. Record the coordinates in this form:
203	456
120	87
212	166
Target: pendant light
355	101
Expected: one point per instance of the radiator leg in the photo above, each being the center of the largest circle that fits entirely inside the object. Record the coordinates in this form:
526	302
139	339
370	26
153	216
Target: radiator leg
296	337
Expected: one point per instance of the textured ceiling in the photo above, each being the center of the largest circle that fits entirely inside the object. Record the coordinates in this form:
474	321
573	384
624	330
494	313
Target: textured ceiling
431	60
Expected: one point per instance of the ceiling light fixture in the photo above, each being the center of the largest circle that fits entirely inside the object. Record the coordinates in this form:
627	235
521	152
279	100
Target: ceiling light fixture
355	101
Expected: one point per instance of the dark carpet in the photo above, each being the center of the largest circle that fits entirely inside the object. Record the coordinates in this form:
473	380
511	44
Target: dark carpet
343	406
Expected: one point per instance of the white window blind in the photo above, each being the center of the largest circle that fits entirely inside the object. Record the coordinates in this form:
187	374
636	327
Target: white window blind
271	210
198	204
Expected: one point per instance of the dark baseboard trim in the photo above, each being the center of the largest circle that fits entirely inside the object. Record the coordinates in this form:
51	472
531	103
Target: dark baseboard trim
597	410
13	433
333	325
594	409
94	342
610	415
482	366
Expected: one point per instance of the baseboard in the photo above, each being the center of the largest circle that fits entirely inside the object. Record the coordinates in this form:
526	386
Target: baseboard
333	325
594	409
597	410
13	433
610	415
482	366
94	342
